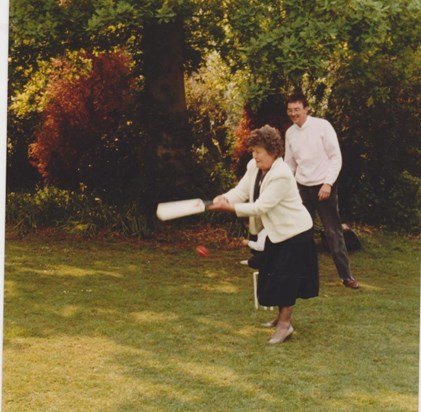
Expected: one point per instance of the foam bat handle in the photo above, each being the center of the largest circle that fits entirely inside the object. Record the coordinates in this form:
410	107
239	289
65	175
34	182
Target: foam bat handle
181	208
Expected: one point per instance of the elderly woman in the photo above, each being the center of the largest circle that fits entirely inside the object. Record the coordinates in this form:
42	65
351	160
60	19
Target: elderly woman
268	195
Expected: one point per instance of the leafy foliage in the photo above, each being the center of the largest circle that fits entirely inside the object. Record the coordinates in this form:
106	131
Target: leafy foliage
74	213
80	138
355	60
215	107
375	104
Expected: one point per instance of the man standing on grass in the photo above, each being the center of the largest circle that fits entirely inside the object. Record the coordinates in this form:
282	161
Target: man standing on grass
313	154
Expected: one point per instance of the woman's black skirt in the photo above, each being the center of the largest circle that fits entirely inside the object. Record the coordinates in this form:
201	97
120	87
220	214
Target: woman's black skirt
289	271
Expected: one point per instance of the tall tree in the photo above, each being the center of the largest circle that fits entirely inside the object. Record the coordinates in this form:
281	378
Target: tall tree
173	38
164	38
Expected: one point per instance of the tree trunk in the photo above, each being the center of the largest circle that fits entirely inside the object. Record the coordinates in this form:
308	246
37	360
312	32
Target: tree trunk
165	111
163	57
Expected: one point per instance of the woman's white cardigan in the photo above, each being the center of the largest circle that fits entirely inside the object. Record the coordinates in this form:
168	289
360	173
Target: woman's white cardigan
279	207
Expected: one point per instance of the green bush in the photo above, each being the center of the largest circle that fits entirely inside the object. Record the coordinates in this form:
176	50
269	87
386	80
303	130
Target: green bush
214	107
375	109
393	202
75	213
405	199
46	207
86	215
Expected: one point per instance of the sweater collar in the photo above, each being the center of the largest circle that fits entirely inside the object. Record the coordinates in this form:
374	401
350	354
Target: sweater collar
305	125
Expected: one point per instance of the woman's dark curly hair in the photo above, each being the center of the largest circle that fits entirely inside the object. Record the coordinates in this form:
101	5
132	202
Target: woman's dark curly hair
267	137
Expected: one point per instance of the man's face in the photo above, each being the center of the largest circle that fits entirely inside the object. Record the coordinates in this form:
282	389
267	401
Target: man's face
297	113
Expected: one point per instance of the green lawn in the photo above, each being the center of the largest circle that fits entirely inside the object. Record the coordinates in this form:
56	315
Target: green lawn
149	326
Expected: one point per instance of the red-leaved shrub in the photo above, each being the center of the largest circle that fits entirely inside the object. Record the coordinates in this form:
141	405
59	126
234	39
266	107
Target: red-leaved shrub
85	107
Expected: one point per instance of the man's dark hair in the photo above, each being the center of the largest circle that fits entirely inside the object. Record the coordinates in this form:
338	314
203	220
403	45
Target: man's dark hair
298	97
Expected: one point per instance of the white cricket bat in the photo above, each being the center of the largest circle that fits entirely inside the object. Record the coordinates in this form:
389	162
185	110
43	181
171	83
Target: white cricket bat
181	208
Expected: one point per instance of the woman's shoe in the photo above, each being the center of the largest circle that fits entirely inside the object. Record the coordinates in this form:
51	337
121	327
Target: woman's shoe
270	324
281	335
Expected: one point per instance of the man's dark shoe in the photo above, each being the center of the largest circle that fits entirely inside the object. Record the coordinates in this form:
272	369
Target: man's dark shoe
351	283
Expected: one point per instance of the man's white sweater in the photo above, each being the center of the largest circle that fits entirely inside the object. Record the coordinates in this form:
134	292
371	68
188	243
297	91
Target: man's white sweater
312	152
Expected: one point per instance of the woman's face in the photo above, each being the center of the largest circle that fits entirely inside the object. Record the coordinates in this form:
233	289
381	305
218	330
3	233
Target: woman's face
264	160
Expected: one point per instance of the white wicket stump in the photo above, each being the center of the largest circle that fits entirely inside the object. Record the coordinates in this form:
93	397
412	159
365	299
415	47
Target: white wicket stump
256	301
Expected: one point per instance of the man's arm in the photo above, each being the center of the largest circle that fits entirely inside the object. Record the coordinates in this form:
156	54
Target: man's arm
333	152
289	157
